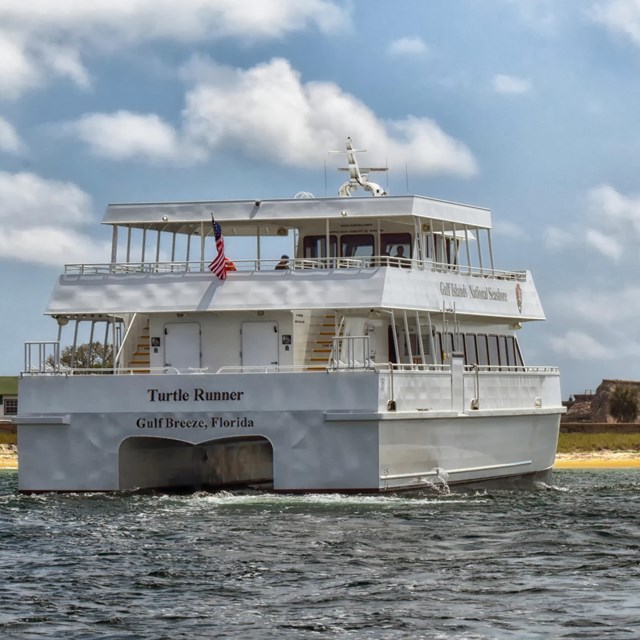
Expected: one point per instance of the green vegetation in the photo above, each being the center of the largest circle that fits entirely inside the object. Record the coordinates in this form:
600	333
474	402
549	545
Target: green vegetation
623	403
586	442
87	356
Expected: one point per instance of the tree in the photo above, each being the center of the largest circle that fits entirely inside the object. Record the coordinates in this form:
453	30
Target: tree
87	356
623	403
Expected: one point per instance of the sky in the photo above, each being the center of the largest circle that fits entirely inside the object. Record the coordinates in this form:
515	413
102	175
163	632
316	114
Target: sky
527	107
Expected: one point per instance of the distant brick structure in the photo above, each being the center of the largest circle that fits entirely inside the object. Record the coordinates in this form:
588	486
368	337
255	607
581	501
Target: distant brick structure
594	407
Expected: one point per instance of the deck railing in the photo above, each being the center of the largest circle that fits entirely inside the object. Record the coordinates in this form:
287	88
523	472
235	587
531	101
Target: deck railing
294	264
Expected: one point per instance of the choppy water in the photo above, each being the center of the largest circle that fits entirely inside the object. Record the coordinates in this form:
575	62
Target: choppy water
557	562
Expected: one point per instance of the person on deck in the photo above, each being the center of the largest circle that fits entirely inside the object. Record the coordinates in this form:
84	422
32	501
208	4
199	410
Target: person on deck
284	262
400	260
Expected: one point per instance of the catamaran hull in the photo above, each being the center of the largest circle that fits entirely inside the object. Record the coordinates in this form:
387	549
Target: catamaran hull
121	433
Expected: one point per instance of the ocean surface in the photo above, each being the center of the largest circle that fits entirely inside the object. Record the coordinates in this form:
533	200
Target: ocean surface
560	561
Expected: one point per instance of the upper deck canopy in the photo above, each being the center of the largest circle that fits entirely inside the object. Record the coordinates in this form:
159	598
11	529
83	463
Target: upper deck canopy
240	217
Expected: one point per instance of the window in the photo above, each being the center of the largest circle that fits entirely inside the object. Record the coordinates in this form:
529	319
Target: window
470	353
316	246
494	359
354	245
438	355
393	244
483	350
10	406
502	351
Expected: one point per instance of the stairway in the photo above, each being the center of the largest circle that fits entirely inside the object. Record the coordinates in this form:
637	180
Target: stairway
322	329
141	357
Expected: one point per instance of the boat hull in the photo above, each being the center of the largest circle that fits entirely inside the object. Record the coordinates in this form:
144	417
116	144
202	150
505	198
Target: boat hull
121	433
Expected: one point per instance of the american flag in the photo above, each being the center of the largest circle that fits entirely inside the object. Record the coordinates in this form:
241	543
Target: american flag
219	264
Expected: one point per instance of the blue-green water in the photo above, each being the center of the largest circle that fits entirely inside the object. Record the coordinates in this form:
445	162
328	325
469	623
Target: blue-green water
558	562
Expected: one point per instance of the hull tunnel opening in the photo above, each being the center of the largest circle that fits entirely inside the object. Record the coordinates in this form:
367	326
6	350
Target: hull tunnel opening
167	464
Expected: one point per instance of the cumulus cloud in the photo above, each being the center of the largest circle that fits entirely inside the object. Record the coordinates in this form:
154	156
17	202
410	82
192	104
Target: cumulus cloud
407	47
607	308
557	239
9	140
612	208
31	32
611	225
579	345
510	84
269	112
18	72
605	244
129	135
621	17
40	221
509	229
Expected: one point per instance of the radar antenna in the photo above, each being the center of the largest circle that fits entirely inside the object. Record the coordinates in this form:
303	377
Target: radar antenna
358	177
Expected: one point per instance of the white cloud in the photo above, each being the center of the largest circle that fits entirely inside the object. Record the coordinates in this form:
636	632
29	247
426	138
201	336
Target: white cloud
509	229
605	244
17	72
39	220
610	308
510	84
268	112
51	246
124	134
541	15
612	225
619	16
9	139
580	346
558	239
408	47
31	32
609	208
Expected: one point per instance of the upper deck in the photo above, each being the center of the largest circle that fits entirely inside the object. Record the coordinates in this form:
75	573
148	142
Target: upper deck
242	217
342	250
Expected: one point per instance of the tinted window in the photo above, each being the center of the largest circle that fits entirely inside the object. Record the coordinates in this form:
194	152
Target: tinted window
316	246
483	350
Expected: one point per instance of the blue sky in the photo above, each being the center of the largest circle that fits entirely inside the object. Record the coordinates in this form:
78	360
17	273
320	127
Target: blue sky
528	107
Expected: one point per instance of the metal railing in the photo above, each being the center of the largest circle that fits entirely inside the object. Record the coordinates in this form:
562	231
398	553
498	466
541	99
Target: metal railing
294	264
42	357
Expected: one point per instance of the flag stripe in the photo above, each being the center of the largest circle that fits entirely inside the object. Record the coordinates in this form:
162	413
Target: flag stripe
218	266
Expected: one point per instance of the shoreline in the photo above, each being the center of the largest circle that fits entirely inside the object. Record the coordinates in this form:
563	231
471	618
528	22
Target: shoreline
574	460
598	460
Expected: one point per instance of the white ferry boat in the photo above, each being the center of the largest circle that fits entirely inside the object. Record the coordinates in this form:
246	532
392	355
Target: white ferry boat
381	355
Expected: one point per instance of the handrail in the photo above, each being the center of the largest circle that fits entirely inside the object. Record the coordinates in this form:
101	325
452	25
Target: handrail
126	347
379	367
46	350
295	264
345	352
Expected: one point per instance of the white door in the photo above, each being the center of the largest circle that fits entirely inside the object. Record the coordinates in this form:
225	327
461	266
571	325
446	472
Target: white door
182	345
259	344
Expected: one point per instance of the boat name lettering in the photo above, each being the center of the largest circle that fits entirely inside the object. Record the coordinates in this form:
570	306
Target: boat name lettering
212	422
479	293
197	395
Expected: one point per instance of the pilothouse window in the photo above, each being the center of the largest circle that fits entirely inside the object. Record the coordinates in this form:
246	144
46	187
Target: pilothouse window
356	245
316	246
390	242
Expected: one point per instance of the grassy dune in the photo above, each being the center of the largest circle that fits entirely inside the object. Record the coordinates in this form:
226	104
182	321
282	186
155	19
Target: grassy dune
597	442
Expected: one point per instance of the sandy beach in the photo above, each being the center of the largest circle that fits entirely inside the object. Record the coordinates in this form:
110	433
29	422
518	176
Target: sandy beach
8	456
598	460
590	460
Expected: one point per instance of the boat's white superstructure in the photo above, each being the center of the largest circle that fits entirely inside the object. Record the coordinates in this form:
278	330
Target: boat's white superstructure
385	356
